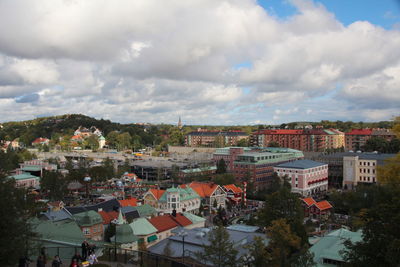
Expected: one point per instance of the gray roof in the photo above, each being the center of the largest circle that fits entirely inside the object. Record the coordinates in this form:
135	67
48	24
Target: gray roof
197	237
301	164
56	216
365	155
107	206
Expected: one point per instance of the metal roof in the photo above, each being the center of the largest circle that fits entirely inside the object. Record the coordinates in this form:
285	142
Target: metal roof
301	164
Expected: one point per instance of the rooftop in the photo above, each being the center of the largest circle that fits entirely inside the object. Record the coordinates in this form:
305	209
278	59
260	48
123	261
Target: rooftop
163	223
301	164
142	226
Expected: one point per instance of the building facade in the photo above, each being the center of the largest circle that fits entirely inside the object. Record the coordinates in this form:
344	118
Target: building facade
362	168
307	177
257	166
214	138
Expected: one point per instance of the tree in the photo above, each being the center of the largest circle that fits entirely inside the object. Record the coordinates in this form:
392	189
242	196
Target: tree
273	144
258	255
220	251
376	143
54	184
108	165
380	244
109	232
221	166
16	207
243	142
304	259
224	179
123	141
284	205
92	142
112	139
283	242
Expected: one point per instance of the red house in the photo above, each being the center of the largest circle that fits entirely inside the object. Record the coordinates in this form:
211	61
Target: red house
317	210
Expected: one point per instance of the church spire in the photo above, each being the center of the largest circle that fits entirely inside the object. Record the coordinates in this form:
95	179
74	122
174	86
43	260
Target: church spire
180	123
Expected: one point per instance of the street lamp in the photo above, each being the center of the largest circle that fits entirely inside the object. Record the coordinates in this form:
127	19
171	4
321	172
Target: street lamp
183	233
87	180
115	239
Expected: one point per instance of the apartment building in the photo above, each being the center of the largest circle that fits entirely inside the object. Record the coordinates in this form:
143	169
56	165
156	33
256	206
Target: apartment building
362	168
307	177
214	138
357	138
304	140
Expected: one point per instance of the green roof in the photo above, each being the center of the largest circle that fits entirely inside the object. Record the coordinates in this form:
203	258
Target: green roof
124	234
146	210
88	218
329	246
65	231
193	218
184	194
142	226
32	168
23	176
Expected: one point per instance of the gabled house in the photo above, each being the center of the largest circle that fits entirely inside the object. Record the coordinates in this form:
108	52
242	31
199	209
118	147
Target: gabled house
209	193
316	209
164	225
233	193
144	230
91	224
152	196
41	141
179	200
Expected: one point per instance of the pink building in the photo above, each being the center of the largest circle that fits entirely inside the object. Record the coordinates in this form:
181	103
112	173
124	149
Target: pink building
307	177
229	155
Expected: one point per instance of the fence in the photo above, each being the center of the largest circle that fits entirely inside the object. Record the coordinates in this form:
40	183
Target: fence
110	254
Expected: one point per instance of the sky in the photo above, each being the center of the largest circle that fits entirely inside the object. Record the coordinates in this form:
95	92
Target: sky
214	62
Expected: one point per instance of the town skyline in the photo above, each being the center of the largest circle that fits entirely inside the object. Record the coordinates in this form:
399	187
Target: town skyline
211	62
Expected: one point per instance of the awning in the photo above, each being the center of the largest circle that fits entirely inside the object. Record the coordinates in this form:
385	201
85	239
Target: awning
152	238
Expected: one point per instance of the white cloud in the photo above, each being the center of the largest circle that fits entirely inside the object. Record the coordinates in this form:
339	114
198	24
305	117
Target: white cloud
146	61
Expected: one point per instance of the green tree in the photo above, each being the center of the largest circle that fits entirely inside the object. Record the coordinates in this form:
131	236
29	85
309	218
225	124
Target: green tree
54	185
123	141
243	142
273	144
258	255
380	244
16	207
108	165
220	251
92	142
224	179
284	205
376	144
112	138
221	166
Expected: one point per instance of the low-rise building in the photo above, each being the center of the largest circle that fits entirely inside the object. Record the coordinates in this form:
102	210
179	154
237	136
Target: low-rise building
26	180
233	193
214	138
91	224
362	168
316	210
307	177
209	193
328	249
175	198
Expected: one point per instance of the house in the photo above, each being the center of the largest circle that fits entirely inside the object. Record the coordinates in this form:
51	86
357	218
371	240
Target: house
146	211
316	210
152	196
108	217
164	225
26	180
56	205
175	198
327	250
197	221
233	193
55	216
91	224
41	141
108	205
130	213
144	230
102	142
125	238
209	193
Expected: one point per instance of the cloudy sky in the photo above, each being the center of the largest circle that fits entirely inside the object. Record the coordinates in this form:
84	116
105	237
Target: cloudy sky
209	61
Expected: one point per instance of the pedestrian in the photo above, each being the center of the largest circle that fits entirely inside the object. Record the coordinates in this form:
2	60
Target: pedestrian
56	262
92	258
24	261
85	247
74	263
40	261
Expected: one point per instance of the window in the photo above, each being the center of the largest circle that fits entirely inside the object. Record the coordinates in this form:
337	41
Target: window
86	231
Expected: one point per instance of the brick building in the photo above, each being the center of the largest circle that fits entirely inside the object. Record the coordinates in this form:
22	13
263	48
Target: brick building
214	138
357	138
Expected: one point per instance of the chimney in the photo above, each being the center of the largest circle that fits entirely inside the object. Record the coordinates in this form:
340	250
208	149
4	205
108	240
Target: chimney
174	212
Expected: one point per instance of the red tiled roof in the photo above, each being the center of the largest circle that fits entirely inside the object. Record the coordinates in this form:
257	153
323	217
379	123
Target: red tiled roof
128	202
360	132
76	137
233	188
40	140
181	220
157	193
309	201
323	205
163	223
282	132
203	189
108	216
